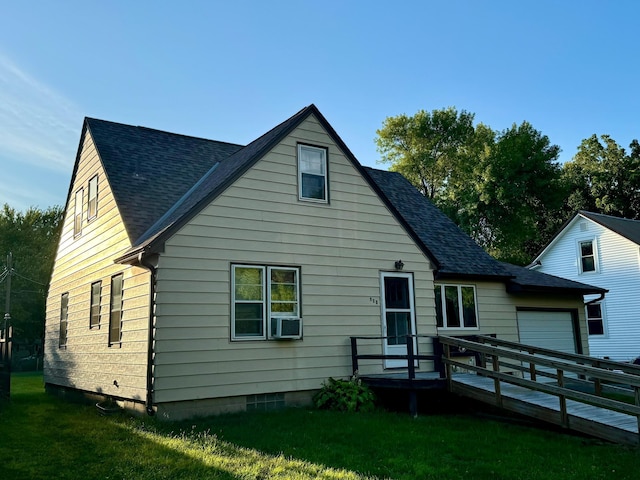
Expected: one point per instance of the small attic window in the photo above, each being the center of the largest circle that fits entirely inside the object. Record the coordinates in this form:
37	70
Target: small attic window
312	174
77	213
92	204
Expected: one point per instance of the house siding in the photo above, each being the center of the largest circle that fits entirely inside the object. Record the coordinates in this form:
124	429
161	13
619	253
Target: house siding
340	247
618	271
497	310
87	362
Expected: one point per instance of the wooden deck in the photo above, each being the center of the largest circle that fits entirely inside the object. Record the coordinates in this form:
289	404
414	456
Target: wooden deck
589	419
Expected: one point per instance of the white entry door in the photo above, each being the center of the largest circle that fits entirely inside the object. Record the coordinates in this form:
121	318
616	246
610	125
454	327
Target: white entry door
398	315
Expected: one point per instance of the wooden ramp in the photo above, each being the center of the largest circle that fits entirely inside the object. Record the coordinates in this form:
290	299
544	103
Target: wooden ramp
517	378
589	419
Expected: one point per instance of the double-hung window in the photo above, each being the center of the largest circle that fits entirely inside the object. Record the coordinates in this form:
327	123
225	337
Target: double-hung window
77	213
587	256
115	310
94	316
456	306
92	202
595	321
260	293
312	174
64	316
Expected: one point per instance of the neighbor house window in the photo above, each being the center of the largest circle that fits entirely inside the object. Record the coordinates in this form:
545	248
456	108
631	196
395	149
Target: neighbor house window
312	173
456	306
92	206
96	290
595	321
587	256
115	310
259	293
77	213
64	316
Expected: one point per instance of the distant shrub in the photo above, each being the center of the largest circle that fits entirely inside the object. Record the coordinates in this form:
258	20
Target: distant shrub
345	395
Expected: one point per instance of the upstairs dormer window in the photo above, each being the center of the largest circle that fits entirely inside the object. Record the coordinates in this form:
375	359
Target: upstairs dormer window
587	253
312	174
92	203
77	213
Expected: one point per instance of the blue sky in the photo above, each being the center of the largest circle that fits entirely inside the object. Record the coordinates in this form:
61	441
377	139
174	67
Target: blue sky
231	70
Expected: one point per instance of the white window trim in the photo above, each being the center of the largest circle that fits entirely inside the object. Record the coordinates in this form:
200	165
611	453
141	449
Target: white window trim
77	212
443	304
266	300
325	153
603	317
596	260
89	216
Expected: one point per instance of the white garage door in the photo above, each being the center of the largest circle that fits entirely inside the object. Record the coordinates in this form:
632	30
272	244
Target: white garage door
552	330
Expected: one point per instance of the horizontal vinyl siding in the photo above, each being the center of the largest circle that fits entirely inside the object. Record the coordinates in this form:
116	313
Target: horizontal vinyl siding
618	271
87	362
497	310
340	249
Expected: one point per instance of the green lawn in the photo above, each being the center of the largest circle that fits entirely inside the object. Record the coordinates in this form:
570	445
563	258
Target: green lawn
42	437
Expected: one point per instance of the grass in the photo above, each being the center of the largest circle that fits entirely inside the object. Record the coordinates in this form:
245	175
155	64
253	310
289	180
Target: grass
42	437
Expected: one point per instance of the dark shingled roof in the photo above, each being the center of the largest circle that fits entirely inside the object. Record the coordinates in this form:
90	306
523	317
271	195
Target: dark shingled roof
629	229
160	180
454	252
149	170
219	177
528	280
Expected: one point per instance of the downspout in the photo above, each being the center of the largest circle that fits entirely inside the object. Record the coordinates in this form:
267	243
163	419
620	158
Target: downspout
152	295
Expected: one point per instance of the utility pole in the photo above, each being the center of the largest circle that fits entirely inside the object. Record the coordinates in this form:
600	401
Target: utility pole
7	305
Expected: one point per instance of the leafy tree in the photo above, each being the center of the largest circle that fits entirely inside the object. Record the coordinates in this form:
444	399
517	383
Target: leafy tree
32	238
519	192
425	146
502	188
603	178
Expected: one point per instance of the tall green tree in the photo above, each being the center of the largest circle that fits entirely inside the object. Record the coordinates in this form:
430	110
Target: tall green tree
32	238
502	188
425	147
519	193
603	178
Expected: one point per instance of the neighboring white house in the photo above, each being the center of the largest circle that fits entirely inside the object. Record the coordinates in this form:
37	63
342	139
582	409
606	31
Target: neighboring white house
602	250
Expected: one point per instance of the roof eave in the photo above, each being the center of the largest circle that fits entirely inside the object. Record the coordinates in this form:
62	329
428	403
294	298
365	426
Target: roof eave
440	275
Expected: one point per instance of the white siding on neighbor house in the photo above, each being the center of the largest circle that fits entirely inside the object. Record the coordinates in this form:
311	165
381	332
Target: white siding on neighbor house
87	362
618	270
340	248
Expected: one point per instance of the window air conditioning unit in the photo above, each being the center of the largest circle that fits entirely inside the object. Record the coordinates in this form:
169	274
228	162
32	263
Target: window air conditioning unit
286	327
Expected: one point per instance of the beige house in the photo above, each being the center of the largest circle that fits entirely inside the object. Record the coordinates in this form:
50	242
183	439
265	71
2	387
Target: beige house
196	276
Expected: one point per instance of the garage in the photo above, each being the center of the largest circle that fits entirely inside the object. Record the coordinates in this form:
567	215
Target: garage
553	329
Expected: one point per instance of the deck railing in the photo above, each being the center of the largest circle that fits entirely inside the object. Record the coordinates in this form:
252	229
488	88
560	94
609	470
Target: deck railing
497	354
411	357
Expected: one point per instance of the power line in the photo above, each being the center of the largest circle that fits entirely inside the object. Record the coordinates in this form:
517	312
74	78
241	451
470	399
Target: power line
27	278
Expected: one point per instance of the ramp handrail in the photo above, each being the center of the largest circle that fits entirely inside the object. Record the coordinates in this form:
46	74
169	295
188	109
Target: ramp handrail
500	350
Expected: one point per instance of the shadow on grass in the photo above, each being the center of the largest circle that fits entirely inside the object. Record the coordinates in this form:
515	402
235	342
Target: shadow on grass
44	437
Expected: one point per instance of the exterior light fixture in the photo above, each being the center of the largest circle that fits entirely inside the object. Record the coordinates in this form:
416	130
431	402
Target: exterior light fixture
399	265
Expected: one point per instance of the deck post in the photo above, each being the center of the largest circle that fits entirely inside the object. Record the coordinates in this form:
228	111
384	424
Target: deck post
447	356
437	360
354	355
496	380
411	367
411	364
637	395
532	367
597	384
564	417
